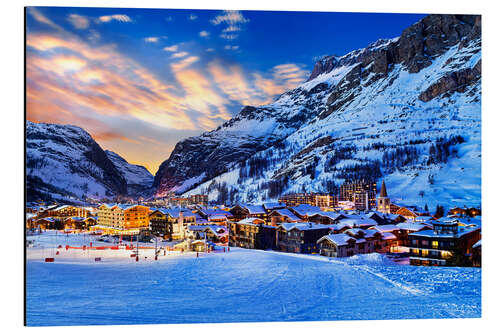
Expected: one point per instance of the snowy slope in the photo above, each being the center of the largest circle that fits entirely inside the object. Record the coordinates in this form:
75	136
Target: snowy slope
63	162
137	177
245	286
407	110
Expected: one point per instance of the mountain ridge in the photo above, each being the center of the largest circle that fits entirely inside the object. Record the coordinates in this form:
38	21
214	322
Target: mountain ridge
439	57
64	162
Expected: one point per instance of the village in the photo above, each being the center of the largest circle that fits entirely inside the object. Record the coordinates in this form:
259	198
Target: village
359	220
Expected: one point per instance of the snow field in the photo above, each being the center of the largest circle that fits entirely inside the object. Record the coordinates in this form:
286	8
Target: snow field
244	286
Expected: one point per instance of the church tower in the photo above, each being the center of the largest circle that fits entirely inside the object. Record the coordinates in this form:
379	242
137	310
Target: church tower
383	201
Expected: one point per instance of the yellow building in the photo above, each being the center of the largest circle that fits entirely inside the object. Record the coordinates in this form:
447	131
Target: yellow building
122	219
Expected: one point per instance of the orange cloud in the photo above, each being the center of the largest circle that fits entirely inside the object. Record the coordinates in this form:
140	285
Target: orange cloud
115	17
78	21
234	84
70	81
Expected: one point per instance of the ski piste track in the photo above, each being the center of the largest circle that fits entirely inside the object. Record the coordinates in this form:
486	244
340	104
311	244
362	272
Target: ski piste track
244	286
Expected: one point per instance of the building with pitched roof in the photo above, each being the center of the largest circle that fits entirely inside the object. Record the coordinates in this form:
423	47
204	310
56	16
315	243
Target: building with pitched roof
300	237
252	233
435	247
122	219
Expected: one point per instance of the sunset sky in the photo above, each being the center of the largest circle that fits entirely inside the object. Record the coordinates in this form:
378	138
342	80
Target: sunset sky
140	80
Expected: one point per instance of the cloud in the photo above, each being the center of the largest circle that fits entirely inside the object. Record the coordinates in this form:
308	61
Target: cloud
78	21
201	97
230	17
97	81
231	80
169	18
71	80
210	49
204	33
93	36
184	63
179	55
192	17
116	17
231	47
280	79
151	39
38	16
228	36
292	74
233	20
172	48
232	28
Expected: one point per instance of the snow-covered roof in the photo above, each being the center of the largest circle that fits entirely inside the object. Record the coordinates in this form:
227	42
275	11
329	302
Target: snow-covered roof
371	215
197	227
392	216
288	213
217	230
339	226
388	236
337	239
331	215
305	209
461	232
255	209
217	217
202	221
411	226
356	221
477	244
76	218
371	232
210	212
175	212
50	219
303	226
164	211
251	220
60	208
385	228
273	205
423	218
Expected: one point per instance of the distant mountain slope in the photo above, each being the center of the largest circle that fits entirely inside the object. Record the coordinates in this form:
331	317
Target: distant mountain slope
138	178
63	161
406	109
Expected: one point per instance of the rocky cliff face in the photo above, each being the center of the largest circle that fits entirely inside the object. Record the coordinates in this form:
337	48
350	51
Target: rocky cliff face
380	111
64	162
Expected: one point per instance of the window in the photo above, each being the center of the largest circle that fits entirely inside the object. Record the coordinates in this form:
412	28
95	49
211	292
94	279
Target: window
425	253
425	243
435	244
414	242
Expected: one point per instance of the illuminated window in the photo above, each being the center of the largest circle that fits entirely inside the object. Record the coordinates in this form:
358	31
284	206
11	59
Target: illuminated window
435	244
425	253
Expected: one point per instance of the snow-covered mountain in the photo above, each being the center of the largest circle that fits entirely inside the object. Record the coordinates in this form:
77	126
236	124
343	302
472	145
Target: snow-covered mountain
64	163
407	110
138	178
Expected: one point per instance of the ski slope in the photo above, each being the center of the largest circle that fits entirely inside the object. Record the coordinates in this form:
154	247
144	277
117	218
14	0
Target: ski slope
245	286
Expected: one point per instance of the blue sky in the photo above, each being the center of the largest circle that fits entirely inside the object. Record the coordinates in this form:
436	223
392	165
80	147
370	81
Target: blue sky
140	80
